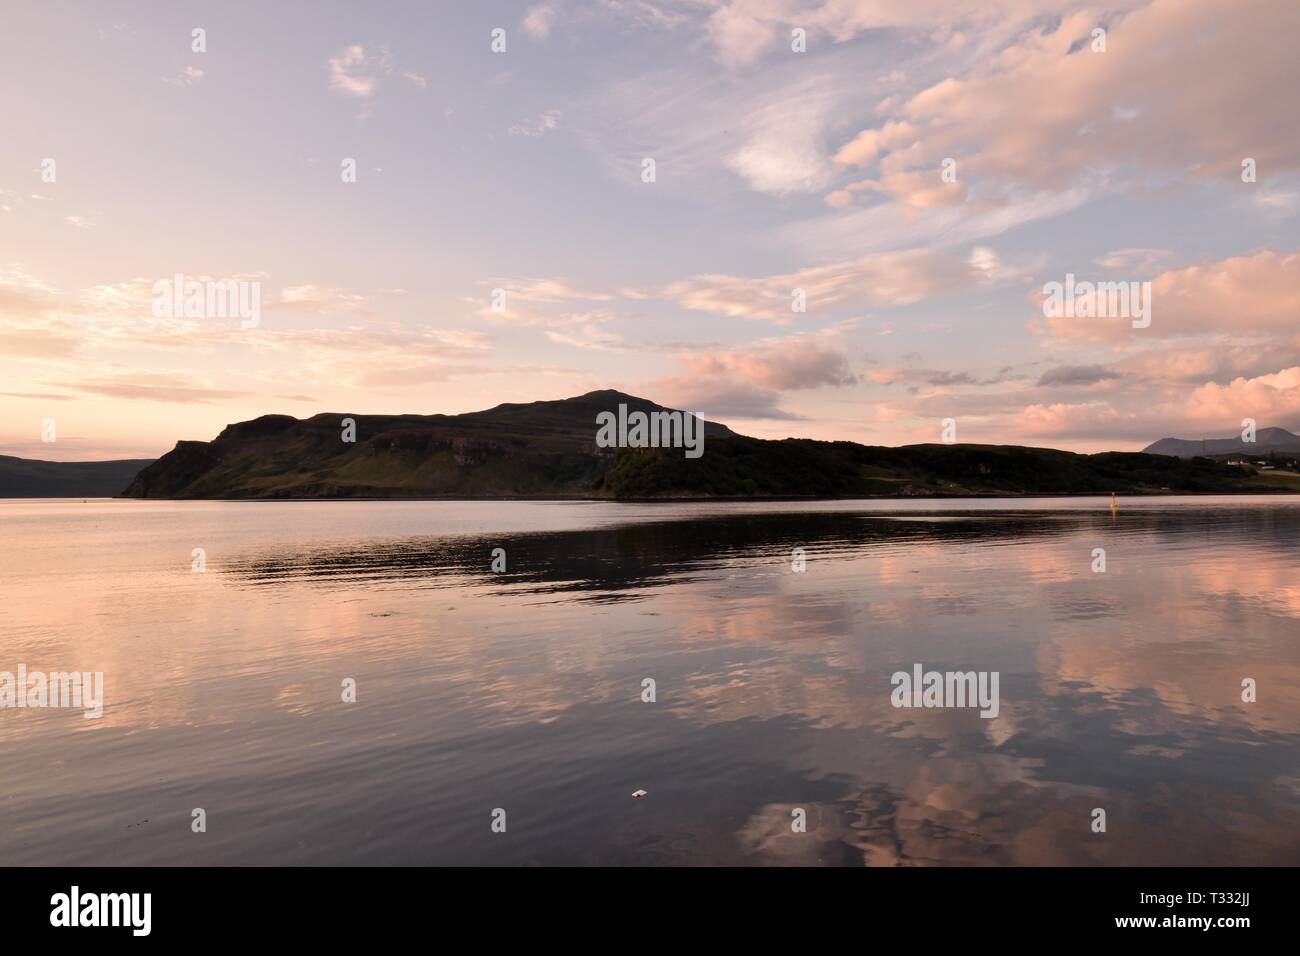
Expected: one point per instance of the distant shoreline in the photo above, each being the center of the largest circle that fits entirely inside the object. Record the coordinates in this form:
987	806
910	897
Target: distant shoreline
1105	496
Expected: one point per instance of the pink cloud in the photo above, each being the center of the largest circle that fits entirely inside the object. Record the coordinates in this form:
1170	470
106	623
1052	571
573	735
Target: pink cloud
782	364
1266	398
1048	112
1258	293
896	278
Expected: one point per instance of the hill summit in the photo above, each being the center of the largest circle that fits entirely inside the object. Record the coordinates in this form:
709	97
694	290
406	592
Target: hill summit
541	449
1266	440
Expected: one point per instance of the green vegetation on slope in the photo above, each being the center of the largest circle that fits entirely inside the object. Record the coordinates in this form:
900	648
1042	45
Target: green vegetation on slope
548	449
796	468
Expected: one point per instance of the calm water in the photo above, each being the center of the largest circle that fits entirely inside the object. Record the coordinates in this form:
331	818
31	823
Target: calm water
522	690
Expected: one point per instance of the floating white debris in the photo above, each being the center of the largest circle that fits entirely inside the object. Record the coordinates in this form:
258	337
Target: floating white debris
638	793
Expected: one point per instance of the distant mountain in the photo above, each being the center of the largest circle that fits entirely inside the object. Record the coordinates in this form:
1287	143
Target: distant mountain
1266	440
30	478
548	449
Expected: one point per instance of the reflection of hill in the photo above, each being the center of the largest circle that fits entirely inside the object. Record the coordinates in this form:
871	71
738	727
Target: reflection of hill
631	556
1119	690
637	555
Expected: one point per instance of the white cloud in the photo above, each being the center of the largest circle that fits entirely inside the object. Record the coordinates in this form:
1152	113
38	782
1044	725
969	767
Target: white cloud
1277	203
1134	259
898	278
591	337
314	298
187	77
546	290
358	73
538	19
784	153
543	123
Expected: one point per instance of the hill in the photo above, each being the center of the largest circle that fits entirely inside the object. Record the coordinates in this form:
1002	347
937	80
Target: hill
548	449
538	449
799	467
1266	440
31	478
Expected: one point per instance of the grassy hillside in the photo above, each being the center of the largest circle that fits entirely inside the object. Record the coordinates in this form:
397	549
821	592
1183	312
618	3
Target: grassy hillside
548	449
1278	480
795	467
539	449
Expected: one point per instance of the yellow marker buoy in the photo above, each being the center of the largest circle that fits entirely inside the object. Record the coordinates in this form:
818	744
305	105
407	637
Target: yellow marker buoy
1113	502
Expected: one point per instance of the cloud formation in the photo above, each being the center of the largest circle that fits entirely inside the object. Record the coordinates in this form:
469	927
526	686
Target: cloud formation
777	364
887	279
1049	112
356	71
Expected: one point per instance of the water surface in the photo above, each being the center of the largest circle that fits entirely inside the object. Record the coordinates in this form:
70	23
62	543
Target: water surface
522	689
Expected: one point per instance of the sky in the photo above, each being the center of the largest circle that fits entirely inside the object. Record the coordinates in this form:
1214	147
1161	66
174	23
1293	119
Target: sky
914	173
